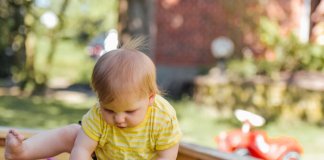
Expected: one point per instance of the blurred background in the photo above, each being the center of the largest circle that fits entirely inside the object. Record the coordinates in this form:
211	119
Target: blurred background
212	57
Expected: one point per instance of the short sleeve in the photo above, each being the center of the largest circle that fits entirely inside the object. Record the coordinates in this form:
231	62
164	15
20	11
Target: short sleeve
169	134
91	123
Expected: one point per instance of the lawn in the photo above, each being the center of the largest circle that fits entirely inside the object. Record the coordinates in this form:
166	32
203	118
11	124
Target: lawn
199	124
39	113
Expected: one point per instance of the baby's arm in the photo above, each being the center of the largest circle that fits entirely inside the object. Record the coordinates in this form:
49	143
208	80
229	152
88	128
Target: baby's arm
84	146
168	154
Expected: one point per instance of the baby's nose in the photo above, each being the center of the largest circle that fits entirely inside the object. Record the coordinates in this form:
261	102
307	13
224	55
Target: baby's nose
119	118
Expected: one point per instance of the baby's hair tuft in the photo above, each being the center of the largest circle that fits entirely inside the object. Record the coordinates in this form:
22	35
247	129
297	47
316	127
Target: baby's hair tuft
138	43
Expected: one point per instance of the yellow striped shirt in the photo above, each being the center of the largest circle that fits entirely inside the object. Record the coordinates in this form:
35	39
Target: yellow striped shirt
158	131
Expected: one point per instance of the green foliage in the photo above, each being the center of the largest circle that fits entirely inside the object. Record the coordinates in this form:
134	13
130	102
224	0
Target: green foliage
242	68
71	61
88	18
12	31
23	34
289	54
275	100
269	32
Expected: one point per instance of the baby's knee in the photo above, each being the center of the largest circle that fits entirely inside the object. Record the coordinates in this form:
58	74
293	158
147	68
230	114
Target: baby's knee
74	127
72	130
69	134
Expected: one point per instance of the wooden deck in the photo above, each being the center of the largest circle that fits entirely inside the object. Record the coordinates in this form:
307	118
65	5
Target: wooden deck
187	151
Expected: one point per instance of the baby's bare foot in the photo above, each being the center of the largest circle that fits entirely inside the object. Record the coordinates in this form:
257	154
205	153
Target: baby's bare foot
14	145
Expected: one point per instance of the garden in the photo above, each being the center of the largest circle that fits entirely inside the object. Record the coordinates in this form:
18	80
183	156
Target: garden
45	76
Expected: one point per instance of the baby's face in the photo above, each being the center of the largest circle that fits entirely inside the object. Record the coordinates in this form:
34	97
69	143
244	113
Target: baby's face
124	115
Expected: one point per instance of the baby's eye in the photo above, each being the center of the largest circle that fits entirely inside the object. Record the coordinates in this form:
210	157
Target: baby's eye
109	111
130	112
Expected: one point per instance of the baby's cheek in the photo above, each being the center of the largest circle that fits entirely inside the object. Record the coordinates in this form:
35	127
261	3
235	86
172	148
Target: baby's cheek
137	120
107	118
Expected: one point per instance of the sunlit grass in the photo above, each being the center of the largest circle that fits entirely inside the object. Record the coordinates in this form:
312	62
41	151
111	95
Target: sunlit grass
310	137
39	113
200	125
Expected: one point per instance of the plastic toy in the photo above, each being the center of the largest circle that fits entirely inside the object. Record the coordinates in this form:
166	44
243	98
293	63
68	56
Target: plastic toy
256	143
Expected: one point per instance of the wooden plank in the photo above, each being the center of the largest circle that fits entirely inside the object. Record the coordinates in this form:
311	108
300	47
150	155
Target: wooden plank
188	151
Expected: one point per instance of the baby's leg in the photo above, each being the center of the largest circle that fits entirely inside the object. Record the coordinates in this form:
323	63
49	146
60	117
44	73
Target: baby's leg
43	145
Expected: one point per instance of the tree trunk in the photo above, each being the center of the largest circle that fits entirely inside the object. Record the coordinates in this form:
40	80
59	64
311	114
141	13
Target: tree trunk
12	47
41	86
136	18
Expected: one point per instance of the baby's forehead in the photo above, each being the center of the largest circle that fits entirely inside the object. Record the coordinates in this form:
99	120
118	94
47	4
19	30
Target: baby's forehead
124	105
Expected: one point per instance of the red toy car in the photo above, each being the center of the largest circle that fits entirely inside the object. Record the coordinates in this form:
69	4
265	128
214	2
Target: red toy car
256	143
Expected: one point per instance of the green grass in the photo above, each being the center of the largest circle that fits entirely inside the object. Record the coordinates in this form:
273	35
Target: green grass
200	125
310	137
39	113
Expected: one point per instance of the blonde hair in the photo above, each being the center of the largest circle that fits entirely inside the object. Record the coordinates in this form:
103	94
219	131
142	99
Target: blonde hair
124	73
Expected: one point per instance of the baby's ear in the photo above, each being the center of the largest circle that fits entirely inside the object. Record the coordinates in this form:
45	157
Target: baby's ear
151	99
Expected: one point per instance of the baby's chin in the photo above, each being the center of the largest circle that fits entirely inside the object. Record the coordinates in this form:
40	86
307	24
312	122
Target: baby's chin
121	127
126	126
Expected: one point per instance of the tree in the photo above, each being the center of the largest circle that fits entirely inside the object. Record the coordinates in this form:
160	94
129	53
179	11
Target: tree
136	18
22	31
13	30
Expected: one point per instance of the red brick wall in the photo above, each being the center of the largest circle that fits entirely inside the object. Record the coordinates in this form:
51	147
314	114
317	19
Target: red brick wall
185	29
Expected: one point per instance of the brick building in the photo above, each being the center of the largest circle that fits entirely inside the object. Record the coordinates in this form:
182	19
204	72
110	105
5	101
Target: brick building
181	32
185	30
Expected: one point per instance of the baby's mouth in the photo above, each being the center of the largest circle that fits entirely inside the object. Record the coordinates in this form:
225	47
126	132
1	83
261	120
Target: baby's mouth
121	125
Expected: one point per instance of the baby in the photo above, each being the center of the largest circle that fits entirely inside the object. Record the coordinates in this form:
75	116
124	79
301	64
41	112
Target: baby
130	121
